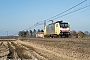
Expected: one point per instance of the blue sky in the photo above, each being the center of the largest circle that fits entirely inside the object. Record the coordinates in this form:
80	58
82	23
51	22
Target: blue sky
16	15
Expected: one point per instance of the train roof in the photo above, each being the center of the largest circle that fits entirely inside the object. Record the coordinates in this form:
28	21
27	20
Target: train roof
64	22
58	22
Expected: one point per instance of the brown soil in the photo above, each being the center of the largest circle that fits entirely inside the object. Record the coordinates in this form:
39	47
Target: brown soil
47	49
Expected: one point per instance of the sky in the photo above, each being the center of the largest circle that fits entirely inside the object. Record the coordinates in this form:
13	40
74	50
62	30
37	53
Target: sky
18	15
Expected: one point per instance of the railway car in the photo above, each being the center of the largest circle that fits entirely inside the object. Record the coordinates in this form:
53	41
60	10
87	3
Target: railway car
57	29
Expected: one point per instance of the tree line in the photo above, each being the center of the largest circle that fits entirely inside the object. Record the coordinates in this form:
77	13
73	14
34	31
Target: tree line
79	33
30	33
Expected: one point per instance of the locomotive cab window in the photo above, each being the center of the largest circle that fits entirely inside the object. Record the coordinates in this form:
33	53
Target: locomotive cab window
56	25
64	25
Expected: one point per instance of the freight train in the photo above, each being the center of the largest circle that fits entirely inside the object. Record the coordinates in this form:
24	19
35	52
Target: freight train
57	29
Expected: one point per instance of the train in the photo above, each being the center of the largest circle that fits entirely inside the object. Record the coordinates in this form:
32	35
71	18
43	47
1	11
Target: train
57	29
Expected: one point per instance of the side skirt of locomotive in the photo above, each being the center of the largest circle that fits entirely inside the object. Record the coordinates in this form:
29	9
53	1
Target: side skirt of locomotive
64	34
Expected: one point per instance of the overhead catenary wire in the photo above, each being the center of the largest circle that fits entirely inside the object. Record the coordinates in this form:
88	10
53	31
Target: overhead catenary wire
72	12
67	10
54	17
77	13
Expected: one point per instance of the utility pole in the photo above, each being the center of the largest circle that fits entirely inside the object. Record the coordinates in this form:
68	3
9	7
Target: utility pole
7	34
44	23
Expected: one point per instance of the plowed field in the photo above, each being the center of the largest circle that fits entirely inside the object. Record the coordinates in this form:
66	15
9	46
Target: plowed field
46	49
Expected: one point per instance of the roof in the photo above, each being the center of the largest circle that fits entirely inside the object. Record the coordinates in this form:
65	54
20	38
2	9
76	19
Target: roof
40	33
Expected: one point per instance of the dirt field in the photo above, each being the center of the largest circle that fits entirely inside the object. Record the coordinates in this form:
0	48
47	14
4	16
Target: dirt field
46	49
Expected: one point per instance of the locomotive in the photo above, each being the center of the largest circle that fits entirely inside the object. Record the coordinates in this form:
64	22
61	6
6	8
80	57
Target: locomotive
57	29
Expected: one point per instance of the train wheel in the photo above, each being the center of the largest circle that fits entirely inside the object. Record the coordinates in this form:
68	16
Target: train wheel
58	36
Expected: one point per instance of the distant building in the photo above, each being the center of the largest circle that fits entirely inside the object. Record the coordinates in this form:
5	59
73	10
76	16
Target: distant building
40	34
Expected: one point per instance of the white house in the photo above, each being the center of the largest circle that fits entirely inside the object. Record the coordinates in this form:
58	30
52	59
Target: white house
40	34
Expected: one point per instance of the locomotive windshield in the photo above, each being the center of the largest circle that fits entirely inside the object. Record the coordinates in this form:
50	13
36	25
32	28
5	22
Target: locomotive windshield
63	25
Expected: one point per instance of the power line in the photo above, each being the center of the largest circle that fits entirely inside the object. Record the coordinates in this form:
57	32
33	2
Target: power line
68	9
55	17
63	15
78	13
72	12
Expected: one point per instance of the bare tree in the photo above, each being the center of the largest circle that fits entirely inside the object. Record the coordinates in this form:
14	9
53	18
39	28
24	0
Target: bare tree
38	30
86	32
34	33
42	30
30	33
73	33
27	33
